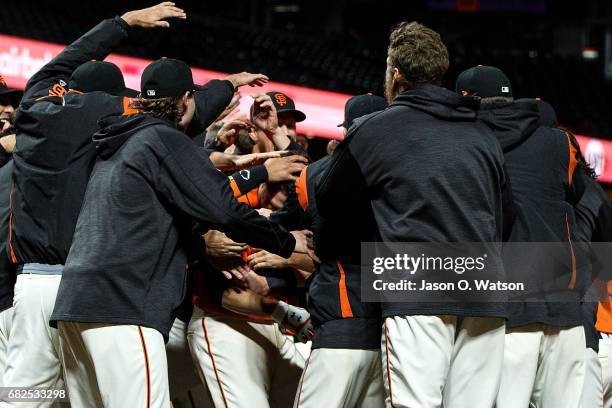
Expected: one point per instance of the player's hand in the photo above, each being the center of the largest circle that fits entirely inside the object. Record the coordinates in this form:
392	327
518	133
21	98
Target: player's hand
154	16
8	143
285	168
297	321
255	282
263	114
246	78
304	243
229	131
219	245
236	275
261	259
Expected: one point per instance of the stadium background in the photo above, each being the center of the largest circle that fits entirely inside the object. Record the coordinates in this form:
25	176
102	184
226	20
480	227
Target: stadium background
321	52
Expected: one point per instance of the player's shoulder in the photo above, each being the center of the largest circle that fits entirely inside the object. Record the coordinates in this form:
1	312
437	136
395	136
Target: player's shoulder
364	123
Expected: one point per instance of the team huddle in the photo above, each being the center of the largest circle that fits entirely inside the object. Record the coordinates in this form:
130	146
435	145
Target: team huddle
157	242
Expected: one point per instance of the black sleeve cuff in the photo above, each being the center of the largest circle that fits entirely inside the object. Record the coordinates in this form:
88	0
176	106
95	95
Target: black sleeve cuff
122	24
248	179
229	84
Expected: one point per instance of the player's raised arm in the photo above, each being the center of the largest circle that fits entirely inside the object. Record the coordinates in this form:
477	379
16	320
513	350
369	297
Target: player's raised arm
97	43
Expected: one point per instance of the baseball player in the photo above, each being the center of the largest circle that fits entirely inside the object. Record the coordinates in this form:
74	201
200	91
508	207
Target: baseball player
594	224
9	99
115	298
544	344
52	162
257	345
7	268
429	173
343	369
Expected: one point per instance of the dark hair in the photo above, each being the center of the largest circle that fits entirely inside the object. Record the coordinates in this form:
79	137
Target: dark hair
164	108
587	167
418	53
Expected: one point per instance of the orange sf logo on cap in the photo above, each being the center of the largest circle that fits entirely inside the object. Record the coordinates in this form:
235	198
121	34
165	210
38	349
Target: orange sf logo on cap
280	99
2	81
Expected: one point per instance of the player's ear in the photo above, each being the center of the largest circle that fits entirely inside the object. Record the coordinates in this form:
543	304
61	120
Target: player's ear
397	75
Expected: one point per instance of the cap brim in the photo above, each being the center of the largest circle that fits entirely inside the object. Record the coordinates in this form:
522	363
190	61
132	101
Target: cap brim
130	93
298	115
10	91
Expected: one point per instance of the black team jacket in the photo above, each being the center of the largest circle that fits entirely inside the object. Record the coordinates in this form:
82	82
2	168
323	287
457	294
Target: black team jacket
126	265
429	172
54	154
7	268
593	224
541	165
340	318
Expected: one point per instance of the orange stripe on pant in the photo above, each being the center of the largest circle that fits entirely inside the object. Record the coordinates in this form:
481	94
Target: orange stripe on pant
345	305
388	364
213	363
12	251
146	357
572	282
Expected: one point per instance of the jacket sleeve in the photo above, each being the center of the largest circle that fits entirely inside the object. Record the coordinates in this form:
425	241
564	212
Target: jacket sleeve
211	100
96	44
339	184
190	182
246	180
291	216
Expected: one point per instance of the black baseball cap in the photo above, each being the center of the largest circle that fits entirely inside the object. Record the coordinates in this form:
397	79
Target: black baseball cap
100	76
361	105
483	81
166	78
285	104
9	92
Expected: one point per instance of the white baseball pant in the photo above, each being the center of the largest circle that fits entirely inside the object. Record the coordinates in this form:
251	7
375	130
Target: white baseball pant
605	358
592	390
108	365
33	346
6	321
543	366
341	378
434	361
182	373
244	364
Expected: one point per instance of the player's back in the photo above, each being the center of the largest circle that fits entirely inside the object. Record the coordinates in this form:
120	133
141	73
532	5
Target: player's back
53	157
432	172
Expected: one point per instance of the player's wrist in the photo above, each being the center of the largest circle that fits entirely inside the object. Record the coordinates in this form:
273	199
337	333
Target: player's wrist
129	18
280	311
280	139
